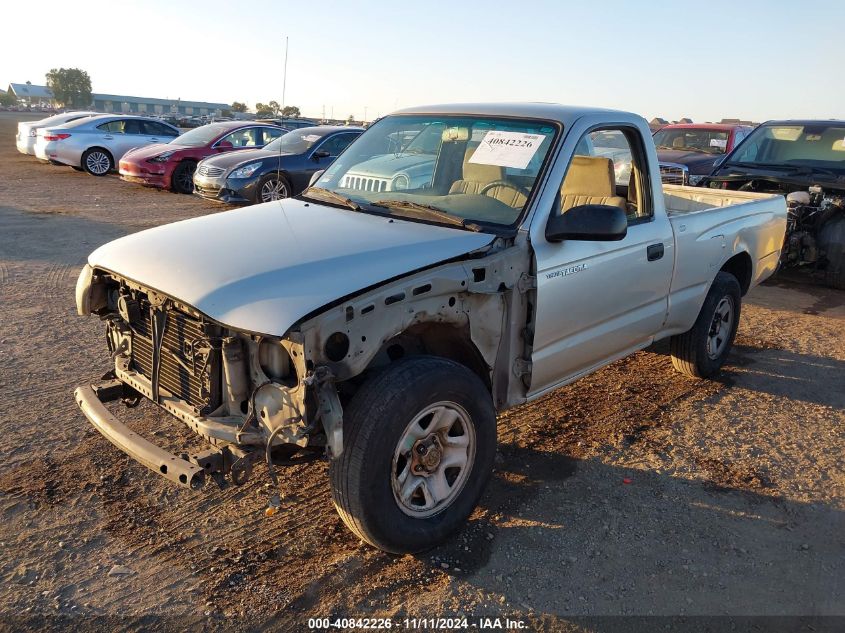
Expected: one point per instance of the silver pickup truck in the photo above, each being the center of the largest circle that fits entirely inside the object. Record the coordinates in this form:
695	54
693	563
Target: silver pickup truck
384	328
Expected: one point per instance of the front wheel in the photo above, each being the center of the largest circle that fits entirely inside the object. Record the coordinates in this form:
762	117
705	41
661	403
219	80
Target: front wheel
701	351
182	180
419	444
271	187
97	162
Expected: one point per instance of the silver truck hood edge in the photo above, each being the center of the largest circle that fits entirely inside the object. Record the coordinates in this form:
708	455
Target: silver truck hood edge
262	268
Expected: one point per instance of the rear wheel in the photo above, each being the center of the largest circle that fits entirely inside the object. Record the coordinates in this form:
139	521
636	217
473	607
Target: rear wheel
182	180
701	351
271	187
832	242
419	444
97	161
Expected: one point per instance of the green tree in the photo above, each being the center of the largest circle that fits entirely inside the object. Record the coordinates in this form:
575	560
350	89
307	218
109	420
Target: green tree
70	86
7	99
291	111
237	106
226	112
351	119
275	107
263	110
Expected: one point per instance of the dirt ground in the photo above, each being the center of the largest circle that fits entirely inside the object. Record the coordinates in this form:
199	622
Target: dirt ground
634	492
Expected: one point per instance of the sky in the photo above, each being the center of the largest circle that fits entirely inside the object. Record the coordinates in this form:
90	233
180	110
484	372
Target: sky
745	59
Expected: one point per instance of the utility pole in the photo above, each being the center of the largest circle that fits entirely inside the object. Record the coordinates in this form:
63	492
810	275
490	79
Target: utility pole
365	115
285	74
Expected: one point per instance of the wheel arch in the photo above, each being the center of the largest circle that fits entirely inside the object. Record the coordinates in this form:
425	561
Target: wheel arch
433	338
741	267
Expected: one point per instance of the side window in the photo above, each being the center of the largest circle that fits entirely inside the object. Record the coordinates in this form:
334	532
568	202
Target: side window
268	134
336	144
154	128
609	168
132	126
112	127
247	137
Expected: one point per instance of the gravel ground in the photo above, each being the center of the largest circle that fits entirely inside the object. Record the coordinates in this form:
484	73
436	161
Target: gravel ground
633	492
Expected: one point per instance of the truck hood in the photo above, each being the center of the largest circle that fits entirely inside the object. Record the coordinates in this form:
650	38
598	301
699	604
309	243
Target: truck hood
263	268
696	162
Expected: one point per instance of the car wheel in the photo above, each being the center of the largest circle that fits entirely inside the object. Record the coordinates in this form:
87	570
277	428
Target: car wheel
272	187
182	180
419	444
701	351
97	161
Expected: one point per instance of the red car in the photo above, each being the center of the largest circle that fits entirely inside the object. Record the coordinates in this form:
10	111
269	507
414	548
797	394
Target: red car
171	165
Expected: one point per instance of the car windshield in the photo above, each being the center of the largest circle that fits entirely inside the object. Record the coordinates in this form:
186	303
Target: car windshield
820	145
296	141
201	136
692	140
445	169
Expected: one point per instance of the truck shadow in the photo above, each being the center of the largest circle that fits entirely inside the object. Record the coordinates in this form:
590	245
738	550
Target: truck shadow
565	537
782	373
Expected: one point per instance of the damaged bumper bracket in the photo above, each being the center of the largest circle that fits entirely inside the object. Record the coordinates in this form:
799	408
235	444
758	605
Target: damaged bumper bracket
90	399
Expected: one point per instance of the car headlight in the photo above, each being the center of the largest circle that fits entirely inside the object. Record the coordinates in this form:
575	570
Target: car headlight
399	183
694	179
246	171
161	157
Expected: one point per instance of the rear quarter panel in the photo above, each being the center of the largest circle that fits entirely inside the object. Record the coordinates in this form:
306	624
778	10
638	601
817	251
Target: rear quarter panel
710	228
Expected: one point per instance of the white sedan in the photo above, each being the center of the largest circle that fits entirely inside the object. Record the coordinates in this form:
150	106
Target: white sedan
28	130
96	144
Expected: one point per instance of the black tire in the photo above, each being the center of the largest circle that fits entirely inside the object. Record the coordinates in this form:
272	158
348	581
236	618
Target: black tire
182	180
97	161
269	181
380	414
695	352
831	239
75	168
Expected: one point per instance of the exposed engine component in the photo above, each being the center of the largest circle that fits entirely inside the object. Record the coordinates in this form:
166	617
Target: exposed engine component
807	213
234	372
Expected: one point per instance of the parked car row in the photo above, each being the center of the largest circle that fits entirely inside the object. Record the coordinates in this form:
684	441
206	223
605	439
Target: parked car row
242	162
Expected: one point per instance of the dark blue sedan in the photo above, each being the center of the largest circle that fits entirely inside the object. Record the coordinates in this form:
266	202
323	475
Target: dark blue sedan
280	169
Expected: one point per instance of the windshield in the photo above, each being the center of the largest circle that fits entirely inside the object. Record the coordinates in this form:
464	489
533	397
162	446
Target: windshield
820	145
444	169
295	142
692	140
201	136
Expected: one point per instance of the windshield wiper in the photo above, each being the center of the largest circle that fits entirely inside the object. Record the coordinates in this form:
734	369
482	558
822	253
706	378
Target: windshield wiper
428	211
334	196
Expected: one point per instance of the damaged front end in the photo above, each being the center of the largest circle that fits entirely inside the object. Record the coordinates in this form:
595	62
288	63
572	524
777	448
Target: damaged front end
247	394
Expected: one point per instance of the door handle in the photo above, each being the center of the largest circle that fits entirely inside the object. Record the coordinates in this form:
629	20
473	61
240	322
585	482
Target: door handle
108	138
654	252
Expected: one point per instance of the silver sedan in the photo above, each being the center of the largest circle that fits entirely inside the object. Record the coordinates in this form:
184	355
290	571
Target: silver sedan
97	144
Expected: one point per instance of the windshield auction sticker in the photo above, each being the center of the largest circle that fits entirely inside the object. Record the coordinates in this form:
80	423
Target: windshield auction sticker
507	149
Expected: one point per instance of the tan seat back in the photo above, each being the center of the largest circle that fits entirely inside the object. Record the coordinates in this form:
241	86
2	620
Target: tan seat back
590	180
475	175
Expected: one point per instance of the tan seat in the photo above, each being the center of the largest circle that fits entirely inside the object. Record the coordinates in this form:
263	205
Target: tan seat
678	143
590	180
475	175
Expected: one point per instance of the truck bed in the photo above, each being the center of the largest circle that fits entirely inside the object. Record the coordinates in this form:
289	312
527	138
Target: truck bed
682	200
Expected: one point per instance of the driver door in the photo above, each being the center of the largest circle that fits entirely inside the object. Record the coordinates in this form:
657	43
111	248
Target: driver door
600	300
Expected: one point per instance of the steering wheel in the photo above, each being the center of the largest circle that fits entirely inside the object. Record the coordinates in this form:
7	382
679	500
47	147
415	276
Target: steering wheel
506	184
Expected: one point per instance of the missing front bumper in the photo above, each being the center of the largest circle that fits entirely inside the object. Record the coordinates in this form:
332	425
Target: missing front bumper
90	400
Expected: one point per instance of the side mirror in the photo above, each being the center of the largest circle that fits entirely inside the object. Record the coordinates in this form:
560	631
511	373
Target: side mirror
320	153
315	177
588	222
225	145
